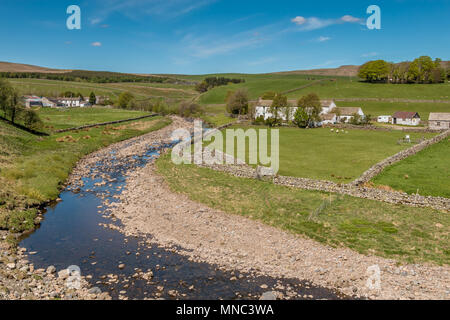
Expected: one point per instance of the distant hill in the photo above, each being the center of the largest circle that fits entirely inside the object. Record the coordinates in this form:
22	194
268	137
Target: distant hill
18	67
344	71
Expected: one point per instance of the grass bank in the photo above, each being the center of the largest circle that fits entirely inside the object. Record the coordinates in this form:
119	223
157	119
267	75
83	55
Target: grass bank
400	232
33	168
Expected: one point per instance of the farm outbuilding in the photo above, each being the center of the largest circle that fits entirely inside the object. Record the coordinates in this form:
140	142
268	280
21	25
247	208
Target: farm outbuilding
384	119
345	114
329	118
439	121
406	118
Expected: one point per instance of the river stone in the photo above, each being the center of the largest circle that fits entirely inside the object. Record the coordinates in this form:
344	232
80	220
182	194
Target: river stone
63	274
269	295
94	290
262	172
11	266
121	266
51	270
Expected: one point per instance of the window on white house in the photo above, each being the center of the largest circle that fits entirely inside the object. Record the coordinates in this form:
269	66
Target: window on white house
438	124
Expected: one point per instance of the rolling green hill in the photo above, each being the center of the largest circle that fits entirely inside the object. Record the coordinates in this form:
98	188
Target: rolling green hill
337	87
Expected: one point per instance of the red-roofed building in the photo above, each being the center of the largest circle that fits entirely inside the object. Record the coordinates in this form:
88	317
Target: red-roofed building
406	118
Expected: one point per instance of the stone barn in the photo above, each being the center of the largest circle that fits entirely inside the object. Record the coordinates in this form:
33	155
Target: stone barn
439	121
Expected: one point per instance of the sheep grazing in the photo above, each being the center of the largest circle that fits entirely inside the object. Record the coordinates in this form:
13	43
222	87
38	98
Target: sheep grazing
331	130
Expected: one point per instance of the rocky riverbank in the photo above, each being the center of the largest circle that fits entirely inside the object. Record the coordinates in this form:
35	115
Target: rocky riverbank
148	206
237	243
19	280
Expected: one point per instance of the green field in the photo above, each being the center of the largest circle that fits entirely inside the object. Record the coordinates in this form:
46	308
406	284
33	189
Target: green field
55	119
33	168
375	108
216	115
53	88
342	87
400	232
256	86
325	155
427	172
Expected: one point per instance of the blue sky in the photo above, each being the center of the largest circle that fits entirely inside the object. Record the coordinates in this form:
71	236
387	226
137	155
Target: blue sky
208	36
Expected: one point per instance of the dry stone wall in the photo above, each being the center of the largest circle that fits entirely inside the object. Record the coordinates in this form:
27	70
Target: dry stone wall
245	171
380	166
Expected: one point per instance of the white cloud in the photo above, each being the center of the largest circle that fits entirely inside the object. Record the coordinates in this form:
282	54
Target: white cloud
96	44
323	39
136	9
351	19
207	45
211	48
313	23
299	20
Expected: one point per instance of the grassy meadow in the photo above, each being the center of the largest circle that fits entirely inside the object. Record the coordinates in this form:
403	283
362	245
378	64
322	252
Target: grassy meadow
337	87
52	88
63	118
427	172
400	232
256	86
216	115
325	155
33	168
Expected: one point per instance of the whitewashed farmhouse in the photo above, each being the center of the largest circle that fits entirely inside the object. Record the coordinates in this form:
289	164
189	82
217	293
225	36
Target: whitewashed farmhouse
263	109
345	114
329	118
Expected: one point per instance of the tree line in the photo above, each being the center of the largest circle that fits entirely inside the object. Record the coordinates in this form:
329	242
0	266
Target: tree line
14	111
87	76
421	70
212	82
